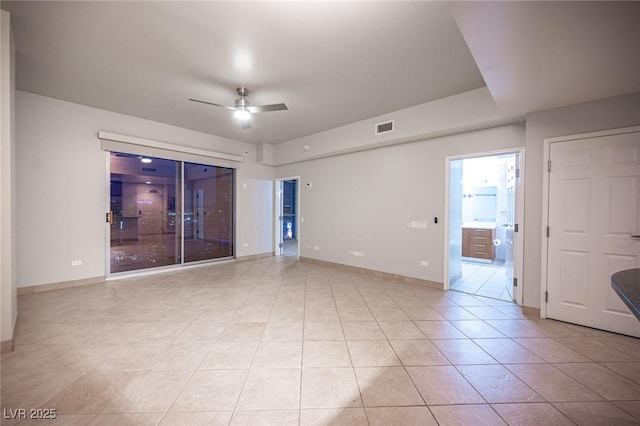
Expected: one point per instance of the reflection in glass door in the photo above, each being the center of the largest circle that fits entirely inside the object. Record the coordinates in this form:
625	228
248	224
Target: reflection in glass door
208	225
145	232
146	226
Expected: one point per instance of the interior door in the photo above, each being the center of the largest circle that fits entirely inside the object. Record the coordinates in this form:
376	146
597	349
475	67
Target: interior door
458	238
512	167
594	208
280	226
150	210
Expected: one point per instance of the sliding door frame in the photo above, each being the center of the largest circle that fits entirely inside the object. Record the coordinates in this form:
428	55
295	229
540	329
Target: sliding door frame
179	215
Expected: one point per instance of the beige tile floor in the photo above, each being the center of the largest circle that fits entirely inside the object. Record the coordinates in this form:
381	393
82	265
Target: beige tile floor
276	341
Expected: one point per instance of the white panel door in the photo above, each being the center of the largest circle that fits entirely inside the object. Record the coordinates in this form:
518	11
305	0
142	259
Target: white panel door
512	166
594	208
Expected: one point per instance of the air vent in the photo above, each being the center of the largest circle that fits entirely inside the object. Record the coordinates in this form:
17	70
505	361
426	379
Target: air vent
149	170
384	127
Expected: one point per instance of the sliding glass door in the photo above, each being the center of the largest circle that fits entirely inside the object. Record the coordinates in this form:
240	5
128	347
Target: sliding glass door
165	212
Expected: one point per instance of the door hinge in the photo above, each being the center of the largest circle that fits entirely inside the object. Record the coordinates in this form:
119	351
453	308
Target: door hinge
517	173
515	282
548	232
280	217
515	228
281	245
108	217
549	166
546	297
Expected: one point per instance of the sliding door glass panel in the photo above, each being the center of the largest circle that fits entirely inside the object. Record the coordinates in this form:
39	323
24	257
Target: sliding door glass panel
208	212
145	228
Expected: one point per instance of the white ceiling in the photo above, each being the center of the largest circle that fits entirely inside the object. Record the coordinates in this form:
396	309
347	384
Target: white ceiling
332	63
541	55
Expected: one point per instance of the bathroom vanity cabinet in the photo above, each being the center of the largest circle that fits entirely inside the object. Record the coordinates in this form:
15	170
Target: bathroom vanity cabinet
478	243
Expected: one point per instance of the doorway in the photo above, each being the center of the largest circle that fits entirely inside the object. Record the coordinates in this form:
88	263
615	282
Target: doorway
288	223
483	255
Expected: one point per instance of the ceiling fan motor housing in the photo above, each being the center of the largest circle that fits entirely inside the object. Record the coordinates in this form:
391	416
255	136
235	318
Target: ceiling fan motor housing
242	91
242	101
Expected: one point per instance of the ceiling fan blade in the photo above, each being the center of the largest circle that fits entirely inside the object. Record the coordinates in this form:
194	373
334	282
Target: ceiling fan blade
211	103
266	108
246	124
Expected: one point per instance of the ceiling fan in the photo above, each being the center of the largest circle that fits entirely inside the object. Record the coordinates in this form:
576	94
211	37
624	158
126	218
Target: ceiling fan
243	109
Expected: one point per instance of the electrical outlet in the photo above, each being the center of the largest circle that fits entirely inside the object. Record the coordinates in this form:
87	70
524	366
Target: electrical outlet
308	246
424	263
245	245
76	262
316	247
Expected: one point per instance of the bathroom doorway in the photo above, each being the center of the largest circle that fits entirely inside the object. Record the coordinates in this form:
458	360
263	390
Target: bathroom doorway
483	243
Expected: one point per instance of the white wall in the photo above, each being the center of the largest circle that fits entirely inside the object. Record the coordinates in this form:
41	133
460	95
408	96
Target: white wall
610	113
464	112
62	189
255	219
8	293
362	202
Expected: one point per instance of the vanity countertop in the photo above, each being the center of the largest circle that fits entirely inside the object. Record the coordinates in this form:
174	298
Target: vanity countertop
479	225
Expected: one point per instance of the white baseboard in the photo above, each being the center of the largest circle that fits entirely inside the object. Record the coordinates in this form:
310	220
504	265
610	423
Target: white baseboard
59	285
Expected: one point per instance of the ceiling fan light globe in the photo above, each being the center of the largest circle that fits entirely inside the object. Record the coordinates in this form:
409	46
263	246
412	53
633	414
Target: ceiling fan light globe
242	114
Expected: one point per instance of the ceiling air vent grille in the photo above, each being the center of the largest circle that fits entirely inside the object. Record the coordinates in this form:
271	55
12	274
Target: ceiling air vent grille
385	127
149	170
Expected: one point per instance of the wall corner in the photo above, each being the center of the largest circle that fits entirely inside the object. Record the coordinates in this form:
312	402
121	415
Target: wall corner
264	154
8	290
